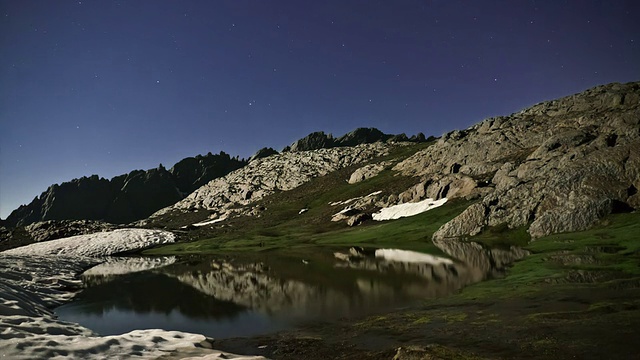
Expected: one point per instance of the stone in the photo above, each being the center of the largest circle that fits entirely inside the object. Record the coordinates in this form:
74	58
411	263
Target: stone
367	172
358	219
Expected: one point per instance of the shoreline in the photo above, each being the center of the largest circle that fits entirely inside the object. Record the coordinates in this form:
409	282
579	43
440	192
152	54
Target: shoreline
31	286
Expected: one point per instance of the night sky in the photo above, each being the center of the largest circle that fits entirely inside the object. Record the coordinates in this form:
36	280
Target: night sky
106	87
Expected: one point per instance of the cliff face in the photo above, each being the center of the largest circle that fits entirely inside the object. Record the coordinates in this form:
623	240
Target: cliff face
558	166
124	198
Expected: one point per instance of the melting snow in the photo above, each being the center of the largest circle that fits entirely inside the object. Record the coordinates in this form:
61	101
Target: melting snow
98	244
407	209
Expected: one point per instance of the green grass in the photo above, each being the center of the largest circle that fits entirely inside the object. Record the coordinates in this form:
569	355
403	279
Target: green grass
615	244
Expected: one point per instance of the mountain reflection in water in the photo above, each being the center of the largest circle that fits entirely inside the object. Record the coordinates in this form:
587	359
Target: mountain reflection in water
249	294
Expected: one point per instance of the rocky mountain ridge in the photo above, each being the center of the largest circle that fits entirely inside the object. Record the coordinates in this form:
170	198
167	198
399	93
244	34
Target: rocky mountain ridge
124	198
320	140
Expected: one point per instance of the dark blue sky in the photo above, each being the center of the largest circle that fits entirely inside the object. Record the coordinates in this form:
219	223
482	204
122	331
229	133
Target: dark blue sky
105	87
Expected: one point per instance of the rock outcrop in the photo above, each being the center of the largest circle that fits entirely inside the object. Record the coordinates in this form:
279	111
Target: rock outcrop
262	153
263	177
359	136
558	166
124	198
368	171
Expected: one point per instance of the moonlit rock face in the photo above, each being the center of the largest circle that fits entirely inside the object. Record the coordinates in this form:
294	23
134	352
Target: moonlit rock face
98	244
407	256
408	209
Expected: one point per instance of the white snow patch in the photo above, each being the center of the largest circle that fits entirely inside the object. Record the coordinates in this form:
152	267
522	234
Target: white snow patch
407	209
214	221
97	244
407	256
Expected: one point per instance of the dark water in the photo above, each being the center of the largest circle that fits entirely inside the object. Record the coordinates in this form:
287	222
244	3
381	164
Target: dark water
248	295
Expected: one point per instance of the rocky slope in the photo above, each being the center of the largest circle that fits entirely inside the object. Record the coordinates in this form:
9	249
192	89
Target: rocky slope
558	166
124	198
231	194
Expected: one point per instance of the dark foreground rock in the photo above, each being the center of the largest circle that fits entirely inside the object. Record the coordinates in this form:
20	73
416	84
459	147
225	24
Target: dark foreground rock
124	198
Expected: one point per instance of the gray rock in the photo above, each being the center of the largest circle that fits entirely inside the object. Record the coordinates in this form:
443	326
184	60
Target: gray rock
358	219
557	166
367	172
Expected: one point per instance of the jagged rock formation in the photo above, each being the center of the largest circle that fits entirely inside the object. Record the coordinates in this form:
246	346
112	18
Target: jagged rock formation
320	140
124	198
313	141
263	177
262	153
558	166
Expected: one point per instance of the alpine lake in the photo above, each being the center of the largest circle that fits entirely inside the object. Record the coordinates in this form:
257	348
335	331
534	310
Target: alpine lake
243	295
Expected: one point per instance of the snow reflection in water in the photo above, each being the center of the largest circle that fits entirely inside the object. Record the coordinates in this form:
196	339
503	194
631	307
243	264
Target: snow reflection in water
250	294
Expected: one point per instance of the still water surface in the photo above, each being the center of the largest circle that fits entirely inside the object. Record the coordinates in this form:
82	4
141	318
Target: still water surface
251	294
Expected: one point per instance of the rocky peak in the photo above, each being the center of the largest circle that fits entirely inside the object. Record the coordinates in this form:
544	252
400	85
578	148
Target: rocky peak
359	136
313	141
362	136
263	153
